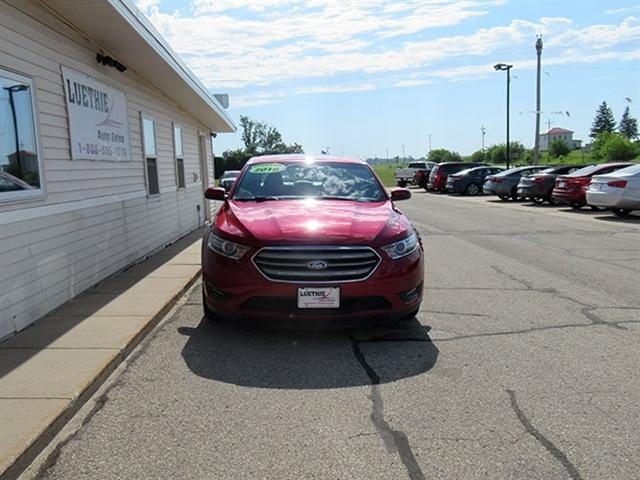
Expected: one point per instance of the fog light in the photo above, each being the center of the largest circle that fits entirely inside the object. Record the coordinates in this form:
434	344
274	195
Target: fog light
217	294
411	295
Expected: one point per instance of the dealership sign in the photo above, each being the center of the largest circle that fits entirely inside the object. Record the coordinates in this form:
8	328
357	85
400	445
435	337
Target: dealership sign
98	123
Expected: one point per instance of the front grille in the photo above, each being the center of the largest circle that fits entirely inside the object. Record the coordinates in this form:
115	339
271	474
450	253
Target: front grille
348	305
332	263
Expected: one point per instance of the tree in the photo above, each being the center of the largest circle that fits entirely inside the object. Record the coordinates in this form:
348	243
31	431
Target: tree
558	148
613	147
603	121
628	125
440	155
498	153
259	139
479	156
262	139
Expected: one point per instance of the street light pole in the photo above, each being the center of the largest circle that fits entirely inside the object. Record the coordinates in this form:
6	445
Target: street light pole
536	144
504	66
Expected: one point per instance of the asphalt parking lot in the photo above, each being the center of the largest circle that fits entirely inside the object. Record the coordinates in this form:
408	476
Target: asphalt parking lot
522	364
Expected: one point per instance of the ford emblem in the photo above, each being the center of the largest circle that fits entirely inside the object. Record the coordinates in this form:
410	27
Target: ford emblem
317	265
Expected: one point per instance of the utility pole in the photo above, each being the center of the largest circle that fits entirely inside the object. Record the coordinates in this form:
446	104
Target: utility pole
484	131
429	142
387	151
549	122
403	157
536	144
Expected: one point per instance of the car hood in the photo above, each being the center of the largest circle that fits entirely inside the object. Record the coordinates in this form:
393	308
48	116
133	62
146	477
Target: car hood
312	221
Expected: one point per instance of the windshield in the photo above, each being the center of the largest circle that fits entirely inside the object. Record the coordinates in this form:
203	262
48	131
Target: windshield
631	170
585	171
417	165
336	181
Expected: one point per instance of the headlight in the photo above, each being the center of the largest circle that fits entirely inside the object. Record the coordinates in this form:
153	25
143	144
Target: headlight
402	248
226	248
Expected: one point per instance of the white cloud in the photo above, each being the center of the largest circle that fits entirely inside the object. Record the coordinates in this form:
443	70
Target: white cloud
411	83
147	5
324	40
335	88
614	11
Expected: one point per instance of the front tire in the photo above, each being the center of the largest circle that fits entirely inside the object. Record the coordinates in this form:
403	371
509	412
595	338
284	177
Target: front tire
504	198
621	212
576	206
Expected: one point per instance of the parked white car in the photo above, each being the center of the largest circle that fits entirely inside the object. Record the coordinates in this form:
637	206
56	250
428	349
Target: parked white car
618	191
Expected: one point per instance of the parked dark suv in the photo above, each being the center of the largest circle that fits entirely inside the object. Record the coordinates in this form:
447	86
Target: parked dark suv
538	187
469	182
439	173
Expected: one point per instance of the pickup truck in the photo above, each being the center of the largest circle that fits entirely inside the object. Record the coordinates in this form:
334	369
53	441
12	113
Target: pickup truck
405	176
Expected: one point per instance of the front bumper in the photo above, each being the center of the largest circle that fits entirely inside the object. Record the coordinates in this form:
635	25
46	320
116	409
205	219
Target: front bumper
237	290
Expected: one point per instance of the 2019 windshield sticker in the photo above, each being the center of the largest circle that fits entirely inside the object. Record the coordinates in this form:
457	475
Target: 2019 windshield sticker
267	168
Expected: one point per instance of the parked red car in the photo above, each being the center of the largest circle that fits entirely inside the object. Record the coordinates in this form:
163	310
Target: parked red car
311	238
571	189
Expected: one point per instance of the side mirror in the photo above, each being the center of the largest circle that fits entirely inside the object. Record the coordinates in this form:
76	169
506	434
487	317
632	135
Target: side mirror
398	194
215	193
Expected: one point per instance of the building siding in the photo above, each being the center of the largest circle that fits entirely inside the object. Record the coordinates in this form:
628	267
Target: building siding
95	218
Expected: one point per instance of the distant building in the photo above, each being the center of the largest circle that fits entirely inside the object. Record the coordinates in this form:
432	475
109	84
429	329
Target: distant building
559	134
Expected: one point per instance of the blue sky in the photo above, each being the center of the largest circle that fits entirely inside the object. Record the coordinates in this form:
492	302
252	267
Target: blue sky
367	76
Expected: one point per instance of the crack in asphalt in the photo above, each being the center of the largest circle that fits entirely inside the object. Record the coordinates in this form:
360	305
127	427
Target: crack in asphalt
546	443
530	330
395	441
587	310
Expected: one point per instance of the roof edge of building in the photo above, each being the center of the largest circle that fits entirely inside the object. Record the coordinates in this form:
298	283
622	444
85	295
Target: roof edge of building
152	37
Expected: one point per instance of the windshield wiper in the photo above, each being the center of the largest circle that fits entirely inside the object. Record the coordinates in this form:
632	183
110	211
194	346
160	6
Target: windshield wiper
256	199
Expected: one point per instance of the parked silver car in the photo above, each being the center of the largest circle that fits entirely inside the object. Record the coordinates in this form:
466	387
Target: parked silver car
617	191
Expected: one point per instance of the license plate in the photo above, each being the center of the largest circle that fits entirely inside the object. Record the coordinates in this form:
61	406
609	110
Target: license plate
561	184
319	297
596	186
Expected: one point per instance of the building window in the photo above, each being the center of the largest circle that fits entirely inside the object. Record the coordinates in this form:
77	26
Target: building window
20	169
179	155
150	154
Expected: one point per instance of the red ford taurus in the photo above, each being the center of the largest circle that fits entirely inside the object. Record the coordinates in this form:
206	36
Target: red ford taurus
311	238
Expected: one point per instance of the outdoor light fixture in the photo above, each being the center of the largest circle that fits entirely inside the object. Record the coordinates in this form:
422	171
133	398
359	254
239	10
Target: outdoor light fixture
107	60
502	67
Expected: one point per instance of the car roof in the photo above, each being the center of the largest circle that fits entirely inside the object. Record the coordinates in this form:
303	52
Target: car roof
303	158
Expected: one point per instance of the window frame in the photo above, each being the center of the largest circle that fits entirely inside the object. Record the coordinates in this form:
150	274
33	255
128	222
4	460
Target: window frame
146	156
179	159
36	193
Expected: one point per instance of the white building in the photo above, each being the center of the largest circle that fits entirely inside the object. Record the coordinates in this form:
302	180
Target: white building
559	134
99	166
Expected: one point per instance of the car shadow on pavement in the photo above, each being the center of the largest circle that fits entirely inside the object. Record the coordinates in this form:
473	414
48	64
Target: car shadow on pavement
631	218
252	355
